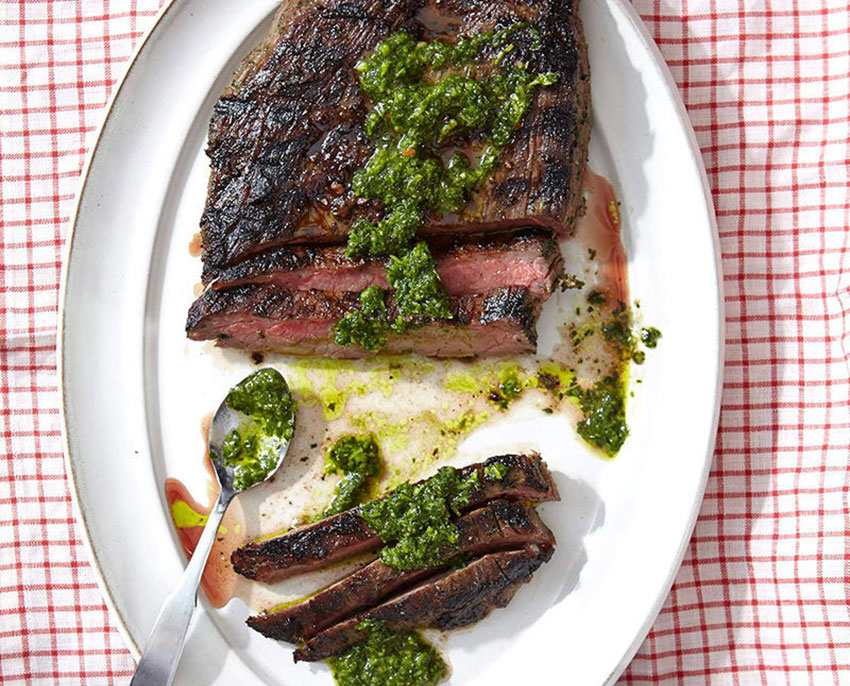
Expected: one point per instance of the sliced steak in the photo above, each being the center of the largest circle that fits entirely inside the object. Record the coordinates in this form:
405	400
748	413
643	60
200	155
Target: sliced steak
287	135
453	600
267	318
531	261
498	526
321	543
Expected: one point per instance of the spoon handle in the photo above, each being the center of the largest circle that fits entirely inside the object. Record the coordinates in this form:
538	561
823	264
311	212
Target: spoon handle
165	645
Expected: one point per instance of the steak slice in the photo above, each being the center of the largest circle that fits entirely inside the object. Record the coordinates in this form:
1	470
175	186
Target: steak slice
528	260
287	135
453	600
267	318
498	526
329	540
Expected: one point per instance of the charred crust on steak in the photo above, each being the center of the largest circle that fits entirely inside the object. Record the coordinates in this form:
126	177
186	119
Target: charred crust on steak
499	525
449	601
305	548
318	544
287	132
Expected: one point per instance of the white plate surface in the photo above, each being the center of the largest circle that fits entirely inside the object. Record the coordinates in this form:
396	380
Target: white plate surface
134	388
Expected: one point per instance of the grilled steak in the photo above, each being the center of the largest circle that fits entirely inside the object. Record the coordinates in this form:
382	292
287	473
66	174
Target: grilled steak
455	599
321	543
498	526
287	134
531	261
269	318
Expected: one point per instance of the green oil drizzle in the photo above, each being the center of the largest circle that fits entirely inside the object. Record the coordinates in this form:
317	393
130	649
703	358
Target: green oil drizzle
185	517
427	436
330	384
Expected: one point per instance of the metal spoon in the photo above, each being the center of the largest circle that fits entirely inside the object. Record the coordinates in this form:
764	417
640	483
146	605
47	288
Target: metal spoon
165	645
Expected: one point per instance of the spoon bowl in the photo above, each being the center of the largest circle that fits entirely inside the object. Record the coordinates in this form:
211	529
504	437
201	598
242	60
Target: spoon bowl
228	420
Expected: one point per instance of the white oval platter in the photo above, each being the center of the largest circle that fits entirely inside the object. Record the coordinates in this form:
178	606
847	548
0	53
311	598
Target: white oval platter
134	388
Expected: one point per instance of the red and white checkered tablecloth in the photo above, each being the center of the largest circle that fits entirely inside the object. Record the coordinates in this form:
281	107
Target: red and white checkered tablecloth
763	596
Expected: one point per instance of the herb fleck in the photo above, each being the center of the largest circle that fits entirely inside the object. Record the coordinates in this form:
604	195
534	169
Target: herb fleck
565	282
509	389
495	471
596	298
649	336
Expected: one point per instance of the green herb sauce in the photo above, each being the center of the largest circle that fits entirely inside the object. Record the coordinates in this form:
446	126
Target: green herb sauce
416	520
354	454
425	95
509	389
253	452
357	458
556	378
604	408
495	471
618	331
603	405
388	658
367	327
419	293
346	494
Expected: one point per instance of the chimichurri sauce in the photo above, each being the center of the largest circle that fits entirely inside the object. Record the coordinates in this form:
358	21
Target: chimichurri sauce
603	404
495	472
604	409
416	520
253	451
367	327
388	658
617	330
425	97
357	458
510	387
